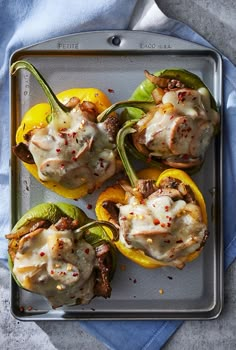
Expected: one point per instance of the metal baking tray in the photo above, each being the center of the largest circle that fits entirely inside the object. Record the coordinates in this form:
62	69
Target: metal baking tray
114	61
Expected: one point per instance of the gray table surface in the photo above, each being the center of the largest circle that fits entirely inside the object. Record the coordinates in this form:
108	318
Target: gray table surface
216	21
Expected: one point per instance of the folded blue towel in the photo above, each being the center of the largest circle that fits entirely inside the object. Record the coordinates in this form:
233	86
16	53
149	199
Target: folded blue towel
27	22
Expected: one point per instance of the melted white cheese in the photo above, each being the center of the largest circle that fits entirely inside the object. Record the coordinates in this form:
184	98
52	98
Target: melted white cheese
53	264
164	229
183	124
72	153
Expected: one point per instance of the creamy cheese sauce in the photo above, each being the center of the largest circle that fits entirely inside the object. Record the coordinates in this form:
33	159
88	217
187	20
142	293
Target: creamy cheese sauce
164	229
52	263
73	151
183	124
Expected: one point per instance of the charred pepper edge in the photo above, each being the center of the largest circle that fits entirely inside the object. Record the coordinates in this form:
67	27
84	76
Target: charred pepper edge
93	231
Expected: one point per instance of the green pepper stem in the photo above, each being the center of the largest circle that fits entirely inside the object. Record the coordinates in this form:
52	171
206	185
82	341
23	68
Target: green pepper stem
120	141
143	105
55	104
100	223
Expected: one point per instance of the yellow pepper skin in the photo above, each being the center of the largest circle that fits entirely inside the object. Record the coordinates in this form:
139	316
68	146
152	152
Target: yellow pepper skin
40	115
117	194
37	117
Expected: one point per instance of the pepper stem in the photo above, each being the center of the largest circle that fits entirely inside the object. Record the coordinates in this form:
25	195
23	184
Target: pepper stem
120	141
55	104
143	105
99	223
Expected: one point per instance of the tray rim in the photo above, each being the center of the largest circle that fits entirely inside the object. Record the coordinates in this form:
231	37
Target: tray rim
215	311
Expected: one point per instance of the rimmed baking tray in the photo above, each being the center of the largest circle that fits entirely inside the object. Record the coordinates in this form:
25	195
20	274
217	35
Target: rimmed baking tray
114	61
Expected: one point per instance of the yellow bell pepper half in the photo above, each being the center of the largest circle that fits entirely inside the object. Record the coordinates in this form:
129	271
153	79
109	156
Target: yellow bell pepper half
117	195
37	116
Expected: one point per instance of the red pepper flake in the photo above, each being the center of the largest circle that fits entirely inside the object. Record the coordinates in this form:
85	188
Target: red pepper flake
181	96
123	267
163	225
62	166
73	152
74	159
22	309
52	272
29	308
142	201
168	224
89	206
167	208
74	134
58	150
185	156
66	142
86	251
171	117
156	221
41	253
123	218
111	91
75	274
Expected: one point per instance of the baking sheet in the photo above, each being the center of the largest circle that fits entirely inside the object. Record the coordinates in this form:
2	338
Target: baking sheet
114	62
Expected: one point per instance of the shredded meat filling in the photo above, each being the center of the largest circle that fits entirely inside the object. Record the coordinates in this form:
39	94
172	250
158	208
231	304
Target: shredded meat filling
104	266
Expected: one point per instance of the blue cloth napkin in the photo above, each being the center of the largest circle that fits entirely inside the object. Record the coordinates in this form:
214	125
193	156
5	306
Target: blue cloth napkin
27	22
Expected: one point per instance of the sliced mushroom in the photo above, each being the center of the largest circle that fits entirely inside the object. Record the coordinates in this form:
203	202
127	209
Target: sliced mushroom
89	110
25	241
161	82
113	212
181	135
22	151
73	101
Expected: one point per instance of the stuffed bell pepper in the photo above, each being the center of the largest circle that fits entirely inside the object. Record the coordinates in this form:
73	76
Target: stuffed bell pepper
55	250
161	216
179	122
62	144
